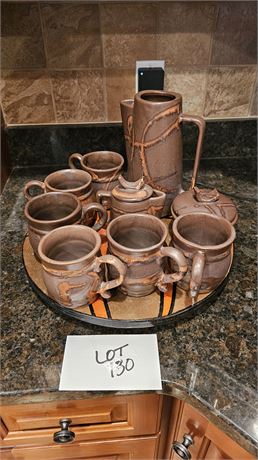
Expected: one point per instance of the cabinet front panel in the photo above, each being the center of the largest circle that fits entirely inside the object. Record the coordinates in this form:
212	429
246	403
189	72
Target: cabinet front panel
119	449
101	418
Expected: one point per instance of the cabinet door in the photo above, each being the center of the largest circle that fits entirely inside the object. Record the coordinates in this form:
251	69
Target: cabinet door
210	443
119	449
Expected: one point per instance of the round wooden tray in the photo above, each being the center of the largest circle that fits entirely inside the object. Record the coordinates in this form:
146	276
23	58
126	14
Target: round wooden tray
121	311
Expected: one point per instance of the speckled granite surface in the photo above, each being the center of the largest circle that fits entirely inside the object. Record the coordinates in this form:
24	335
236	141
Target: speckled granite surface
210	359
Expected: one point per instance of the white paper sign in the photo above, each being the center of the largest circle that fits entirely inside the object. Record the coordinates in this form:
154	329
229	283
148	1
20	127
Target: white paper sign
111	362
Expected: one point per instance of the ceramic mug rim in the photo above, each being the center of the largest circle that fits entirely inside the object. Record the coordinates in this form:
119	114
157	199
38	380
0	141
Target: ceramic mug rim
96	170
46	196
65	263
155	92
125	249
69	171
213	247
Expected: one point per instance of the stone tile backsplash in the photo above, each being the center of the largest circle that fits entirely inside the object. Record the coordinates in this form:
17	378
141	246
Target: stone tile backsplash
72	62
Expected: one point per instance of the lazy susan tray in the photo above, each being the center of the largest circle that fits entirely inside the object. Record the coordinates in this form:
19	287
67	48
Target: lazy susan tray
121	311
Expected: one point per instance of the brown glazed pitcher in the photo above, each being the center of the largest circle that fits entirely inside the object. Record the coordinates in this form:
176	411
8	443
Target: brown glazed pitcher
153	138
55	209
138	241
207	242
71	263
103	166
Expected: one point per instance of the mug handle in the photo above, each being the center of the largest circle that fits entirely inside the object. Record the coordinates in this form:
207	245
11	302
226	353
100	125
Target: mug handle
200	122
105	286
72	158
197	273
178	257
101	211
33	183
102	194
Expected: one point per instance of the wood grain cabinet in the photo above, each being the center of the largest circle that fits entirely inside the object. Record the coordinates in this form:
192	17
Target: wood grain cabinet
138	427
112	428
209	442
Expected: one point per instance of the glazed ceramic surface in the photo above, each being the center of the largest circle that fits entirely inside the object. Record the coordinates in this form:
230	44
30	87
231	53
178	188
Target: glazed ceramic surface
207	243
138	241
72	266
54	209
103	166
74	181
132	197
154	141
204	200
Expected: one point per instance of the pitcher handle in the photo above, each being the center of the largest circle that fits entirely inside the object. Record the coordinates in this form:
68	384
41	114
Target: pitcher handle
101	211
33	183
74	156
105	286
170	278
200	122
197	273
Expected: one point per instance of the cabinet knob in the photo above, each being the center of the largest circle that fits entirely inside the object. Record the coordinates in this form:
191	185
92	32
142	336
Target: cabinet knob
65	434
181	448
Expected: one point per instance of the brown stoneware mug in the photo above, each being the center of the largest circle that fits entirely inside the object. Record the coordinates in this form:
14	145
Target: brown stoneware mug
74	181
54	209
103	166
71	263
138	241
207	243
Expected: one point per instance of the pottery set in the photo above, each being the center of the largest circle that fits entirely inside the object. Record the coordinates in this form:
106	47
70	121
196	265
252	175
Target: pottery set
95	192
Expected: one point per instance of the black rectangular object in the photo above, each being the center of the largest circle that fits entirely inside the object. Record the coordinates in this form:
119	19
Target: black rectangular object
150	78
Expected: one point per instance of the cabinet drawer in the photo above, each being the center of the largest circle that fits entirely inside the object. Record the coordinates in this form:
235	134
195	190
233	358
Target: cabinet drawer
118	449
115	416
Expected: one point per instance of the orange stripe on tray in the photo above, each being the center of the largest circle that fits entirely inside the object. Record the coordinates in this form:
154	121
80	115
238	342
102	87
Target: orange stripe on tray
99	308
167	302
104	243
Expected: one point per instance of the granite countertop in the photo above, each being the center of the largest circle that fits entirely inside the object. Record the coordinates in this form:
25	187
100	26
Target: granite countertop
209	360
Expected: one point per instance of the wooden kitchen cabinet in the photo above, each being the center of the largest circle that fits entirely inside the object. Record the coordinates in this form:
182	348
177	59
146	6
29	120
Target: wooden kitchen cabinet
116	427
209	442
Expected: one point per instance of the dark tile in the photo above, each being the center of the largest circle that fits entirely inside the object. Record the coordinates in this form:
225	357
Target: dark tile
235	39
120	84
128	32
72	33
185	31
22	42
26	97
78	95
229	91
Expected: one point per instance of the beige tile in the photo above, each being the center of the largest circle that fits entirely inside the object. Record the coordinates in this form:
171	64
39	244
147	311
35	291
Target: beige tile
254	108
22	42
120	84
229	91
236	34
26	97
78	95
184	32
128	33
72	35
191	84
